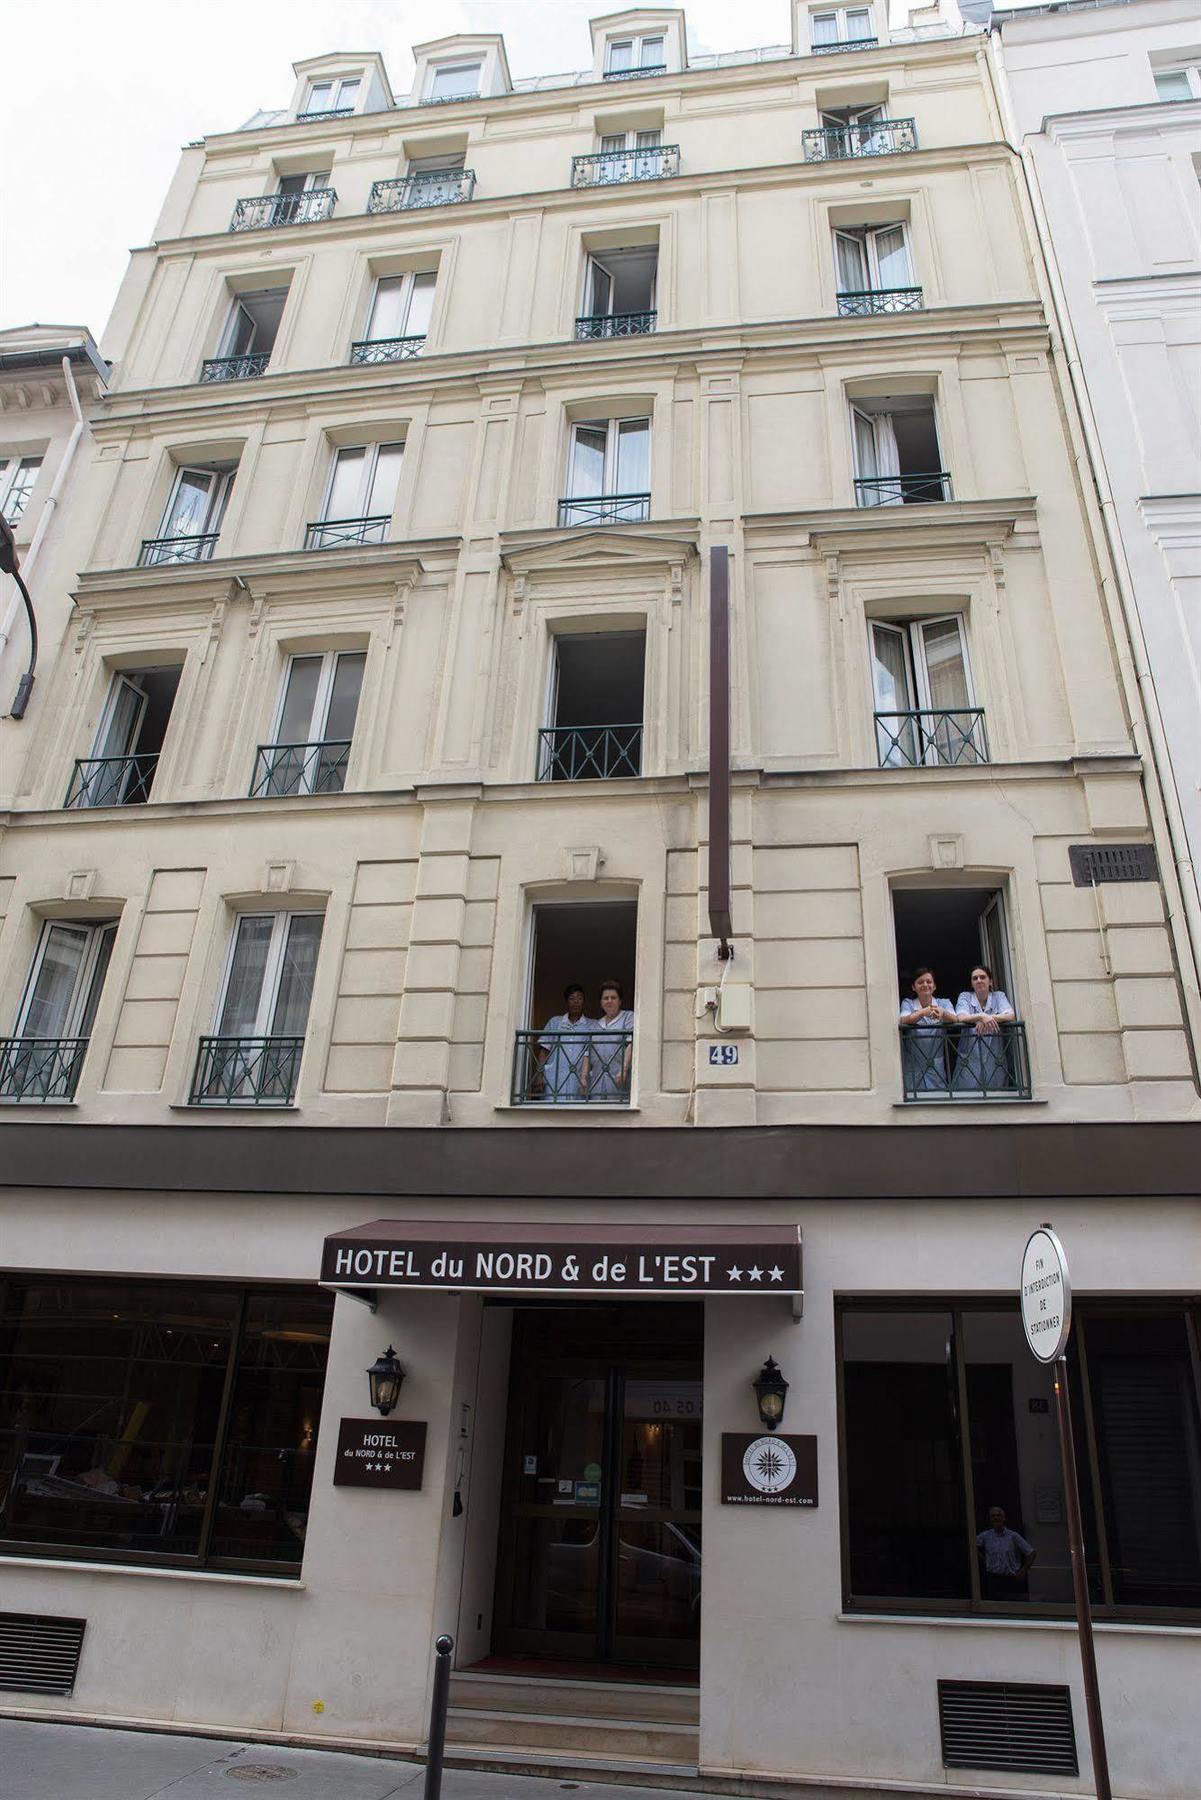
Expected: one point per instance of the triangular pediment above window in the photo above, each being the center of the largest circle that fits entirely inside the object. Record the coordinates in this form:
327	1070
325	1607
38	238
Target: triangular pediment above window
538	552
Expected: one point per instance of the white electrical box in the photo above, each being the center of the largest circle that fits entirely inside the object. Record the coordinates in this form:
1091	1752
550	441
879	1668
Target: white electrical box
734	1006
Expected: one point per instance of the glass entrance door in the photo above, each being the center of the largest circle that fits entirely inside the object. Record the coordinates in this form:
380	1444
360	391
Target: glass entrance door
600	1541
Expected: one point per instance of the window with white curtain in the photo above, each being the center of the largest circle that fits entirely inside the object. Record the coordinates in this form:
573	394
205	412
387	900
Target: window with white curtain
625	55
313	726
921	667
401	306
871	258
608	472
334	94
455	81
269	981
197	502
363	482
841	25
66	980
17	477
898	461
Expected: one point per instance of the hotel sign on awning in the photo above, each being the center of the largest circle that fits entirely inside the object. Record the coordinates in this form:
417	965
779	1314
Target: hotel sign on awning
471	1256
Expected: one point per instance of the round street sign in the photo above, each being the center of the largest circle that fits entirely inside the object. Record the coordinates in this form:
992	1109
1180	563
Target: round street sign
1046	1295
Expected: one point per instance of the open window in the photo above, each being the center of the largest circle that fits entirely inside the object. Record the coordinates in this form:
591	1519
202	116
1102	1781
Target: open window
191	522
980	1052
925	704
638	154
253	1058
578	1050
359	497
874	270
608	473
619	292
43	1058
313	726
120	771
898	461
398	318
249	336
303	198
17	477
594	708
859	130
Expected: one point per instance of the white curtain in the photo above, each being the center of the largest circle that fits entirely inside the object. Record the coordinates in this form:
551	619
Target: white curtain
892	262
296	976
888	459
243	992
50	1003
851	263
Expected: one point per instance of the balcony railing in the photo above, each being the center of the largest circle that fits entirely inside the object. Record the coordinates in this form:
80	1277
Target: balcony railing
386	350
428	187
328	112
267	210
448	99
902	490
956	1062
615	325
235	368
880	137
941	738
605	509
195	547
112	780
246	1071
335	534
40	1069
571	1068
300	768
604	167
635	74
589	752
832	49
863	303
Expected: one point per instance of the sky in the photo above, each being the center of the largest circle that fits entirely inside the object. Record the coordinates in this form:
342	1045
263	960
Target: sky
100	95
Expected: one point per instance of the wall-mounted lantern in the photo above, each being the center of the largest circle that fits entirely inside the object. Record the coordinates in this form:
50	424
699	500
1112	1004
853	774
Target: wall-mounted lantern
771	1390
384	1378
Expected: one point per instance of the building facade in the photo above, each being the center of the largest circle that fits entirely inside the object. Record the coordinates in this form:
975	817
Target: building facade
380	723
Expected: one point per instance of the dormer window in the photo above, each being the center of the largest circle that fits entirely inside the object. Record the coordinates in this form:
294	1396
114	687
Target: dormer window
842	28
635	56
454	81
333	98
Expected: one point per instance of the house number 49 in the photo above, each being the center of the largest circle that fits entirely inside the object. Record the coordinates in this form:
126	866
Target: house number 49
723	1053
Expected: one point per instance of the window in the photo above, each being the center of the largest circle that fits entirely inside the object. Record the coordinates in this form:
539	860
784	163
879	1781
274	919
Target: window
338	94
253	1058
120	770
455	81
619	293
43	1058
302	198
566	1056
159	1422
614	141
191	522
948	1422
17	478
398	319
925	707
594	708
313	727
249	336
626	156
873	270
897	457
437	180
961	934
608	473
1178	84
360	497
842	26
635	56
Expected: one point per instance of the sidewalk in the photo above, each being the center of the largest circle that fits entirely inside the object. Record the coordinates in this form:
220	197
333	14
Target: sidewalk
87	1762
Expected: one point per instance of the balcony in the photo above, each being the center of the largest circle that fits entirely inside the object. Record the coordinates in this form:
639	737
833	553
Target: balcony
336	534
111	780
605	168
614	325
40	1069
246	1071
429	187
834	49
571	1068
902	490
196	547
879	137
270	210
635	74
952	1063
283	769
605	509
931	738
866	303
235	368
589	752
386	350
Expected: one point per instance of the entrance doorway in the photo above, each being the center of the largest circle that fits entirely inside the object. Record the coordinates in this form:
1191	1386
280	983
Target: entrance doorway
600	1533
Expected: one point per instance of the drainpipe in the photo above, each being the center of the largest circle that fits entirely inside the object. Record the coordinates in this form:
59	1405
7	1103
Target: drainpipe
51	506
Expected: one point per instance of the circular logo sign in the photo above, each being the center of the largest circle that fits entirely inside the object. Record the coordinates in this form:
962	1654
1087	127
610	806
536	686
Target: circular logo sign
1046	1295
769	1465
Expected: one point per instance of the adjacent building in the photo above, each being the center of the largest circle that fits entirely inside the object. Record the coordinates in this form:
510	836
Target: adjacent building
381	721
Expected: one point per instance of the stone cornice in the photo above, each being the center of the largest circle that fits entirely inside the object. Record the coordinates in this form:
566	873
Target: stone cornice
381	567
1168	116
560	550
935	523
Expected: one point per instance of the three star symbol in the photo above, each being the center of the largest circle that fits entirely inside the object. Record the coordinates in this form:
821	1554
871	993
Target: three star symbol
754	1273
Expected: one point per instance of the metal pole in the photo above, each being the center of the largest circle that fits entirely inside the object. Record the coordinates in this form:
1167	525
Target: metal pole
1084	1618
437	1741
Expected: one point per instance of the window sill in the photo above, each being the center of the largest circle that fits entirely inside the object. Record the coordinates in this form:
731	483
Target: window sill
576	1108
983	1620
65	1565
41	1105
240	1112
958	1106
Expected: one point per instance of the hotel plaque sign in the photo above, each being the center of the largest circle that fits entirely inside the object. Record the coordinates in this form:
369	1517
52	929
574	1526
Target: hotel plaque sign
380	1453
769	1470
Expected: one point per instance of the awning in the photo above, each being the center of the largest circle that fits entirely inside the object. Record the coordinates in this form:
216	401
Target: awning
469	1256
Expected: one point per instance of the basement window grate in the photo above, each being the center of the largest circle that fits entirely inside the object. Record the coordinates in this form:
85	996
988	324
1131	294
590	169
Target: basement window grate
1007	1725
1112	862
39	1654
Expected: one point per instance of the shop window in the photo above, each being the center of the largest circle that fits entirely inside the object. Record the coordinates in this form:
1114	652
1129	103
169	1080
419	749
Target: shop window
159	1422
248	337
191	522
619	292
608	473
953	1494
253	1058
120	770
926	713
359	497
962	1035
17	477
577	1047
42	1060
898	461
398	318
594	710
313	726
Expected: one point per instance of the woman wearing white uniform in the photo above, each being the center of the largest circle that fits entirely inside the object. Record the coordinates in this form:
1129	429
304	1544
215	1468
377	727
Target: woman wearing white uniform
982	1059
611	1047
562	1052
922	1052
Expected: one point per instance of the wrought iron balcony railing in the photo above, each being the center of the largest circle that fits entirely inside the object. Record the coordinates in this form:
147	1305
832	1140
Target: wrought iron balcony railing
571	1068
956	1062
281	769
328	112
601	168
195	547
267	210
386	350
615	325
902	490
112	780
246	1071
860	43
605	509
589	752
635	74
881	137
40	1069
863	303
428	187
448	99
235	368
940	738
335	534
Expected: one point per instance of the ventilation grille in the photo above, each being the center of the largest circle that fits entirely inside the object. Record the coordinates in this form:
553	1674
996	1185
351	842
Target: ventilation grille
39	1654
1007	1725
1112	862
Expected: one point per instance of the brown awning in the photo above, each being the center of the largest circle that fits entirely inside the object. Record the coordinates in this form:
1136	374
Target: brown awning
467	1255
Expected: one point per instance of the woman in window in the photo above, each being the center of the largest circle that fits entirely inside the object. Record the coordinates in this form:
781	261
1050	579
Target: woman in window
982	1059
561	1076
923	1018
611	1048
